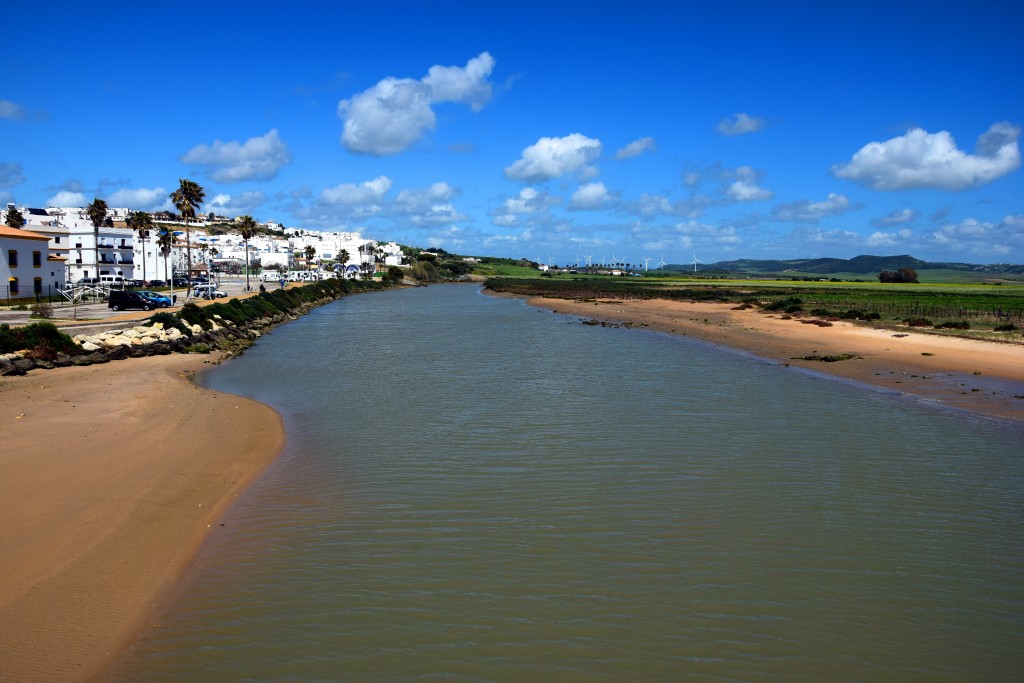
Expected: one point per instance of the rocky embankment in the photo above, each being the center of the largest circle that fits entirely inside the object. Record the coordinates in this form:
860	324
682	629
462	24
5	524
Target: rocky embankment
143	340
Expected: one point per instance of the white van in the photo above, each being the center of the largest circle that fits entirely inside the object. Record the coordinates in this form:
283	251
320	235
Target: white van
112	281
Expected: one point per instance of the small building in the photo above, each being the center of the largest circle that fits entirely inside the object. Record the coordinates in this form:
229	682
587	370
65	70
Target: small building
25	264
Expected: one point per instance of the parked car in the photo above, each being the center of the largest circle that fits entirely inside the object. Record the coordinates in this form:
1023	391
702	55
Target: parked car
180	282
161	300
207	292
157	283
123	299
88	281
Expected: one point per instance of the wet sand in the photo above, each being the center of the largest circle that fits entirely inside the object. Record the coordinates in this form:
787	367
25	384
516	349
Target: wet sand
110	477
977	376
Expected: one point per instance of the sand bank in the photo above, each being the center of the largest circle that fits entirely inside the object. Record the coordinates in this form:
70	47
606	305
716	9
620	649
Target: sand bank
110	477
978	376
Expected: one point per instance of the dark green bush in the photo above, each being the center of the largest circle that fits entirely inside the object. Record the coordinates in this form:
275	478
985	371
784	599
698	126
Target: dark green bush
1008	327
953	325
918	322
784	304
43	336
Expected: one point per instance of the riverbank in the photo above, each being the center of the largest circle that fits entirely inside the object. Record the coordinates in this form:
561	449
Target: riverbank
977	376
112	475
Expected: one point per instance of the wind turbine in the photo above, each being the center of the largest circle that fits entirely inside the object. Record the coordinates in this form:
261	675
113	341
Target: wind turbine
695	262
662	263
647	262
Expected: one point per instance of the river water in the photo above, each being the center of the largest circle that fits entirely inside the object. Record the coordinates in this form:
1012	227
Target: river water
477	490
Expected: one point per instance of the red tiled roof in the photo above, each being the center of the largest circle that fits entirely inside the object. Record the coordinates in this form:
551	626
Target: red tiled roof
6	231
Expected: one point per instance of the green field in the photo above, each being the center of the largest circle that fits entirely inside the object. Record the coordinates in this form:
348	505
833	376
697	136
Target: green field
983	307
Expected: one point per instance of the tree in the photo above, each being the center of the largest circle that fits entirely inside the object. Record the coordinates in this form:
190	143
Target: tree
187	199
900	276
14	219
141	223
247	229
310	253
165	241
97	214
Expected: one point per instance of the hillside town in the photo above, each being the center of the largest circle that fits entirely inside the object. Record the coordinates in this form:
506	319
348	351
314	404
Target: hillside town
58	247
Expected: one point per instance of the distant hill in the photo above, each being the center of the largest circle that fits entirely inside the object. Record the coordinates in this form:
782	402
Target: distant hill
862	265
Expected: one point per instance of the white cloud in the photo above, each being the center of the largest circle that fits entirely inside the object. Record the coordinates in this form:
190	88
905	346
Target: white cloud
419	199
636	148
370	193
982	237
391	116
10	174
889	239
258	158
142	199
806	211
12	111
931	160
896	218
740	124
554	157
468	85
68	199
238	204
590	197
745	188
528	201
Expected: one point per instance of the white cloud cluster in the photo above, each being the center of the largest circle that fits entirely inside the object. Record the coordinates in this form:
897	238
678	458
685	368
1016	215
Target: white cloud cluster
889	240
806	211
245	202
366	199
528	201
931	160
745	187
258	158
636	148
590	197
1005	238
554	157
67	198
740	124
142	199
396	112
896	217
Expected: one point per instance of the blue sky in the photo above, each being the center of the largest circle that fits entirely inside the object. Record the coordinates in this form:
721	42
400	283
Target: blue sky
539	129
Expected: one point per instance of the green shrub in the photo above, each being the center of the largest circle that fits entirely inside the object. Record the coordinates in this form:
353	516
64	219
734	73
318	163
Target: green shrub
953	325
42	336
1008	327
784	304
919	322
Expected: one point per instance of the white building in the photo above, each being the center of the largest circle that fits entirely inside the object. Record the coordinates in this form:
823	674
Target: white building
27	269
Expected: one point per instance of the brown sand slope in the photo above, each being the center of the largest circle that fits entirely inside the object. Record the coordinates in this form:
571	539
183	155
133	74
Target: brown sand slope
982	377
110	476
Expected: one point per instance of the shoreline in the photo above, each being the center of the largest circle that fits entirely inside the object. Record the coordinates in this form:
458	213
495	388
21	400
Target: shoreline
112	476
980	377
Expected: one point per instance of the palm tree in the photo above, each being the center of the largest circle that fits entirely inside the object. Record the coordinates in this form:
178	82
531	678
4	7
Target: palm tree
247	229
310	252
187	199
97	214
166	242
141	222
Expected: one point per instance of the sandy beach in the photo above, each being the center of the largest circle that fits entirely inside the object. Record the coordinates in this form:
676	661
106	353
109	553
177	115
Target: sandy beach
977	376
110	477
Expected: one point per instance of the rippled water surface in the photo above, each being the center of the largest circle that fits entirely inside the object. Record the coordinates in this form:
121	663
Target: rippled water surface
477	490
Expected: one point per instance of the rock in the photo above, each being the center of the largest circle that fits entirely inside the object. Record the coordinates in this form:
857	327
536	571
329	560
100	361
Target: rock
89	346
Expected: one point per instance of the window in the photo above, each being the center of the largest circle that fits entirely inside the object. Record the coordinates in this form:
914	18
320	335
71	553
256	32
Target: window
37	259
13	283
56	239
12	258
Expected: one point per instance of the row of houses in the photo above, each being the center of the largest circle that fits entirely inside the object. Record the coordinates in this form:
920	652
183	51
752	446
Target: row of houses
58	246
